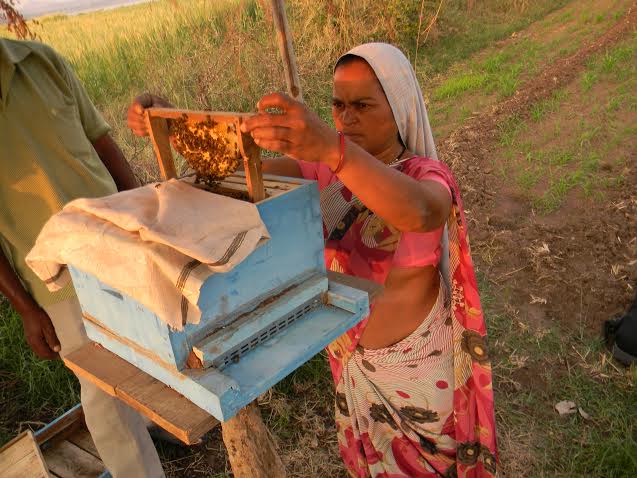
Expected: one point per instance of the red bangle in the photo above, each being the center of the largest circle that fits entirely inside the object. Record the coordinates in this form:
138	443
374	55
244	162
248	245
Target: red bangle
341	159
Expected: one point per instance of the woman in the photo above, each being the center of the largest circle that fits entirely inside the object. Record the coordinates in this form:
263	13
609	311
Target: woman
413	380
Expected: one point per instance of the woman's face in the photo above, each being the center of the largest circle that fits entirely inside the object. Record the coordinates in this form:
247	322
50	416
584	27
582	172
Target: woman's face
360	108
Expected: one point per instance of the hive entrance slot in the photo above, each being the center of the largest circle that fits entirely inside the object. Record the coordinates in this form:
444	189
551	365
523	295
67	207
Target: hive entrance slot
234	354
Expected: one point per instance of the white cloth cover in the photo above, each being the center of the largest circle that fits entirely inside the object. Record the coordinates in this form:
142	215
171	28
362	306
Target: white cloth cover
157	244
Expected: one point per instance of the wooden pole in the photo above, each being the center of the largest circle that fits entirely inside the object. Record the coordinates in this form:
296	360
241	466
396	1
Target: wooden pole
250	448
286	49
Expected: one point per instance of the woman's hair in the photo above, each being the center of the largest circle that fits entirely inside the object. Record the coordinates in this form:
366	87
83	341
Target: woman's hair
347	59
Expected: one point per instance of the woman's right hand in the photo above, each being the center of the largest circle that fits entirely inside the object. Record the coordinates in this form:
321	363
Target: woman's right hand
136	117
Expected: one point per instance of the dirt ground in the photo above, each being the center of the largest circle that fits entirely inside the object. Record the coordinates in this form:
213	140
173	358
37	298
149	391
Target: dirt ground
578	262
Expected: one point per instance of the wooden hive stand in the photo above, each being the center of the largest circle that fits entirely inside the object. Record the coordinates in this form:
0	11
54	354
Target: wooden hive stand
250	447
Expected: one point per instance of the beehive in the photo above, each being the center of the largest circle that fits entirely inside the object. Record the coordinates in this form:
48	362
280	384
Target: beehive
259	322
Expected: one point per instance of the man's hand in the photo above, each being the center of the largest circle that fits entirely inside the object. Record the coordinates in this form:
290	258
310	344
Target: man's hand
136	117
40	334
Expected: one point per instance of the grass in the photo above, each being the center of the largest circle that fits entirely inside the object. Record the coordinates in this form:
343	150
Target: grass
455	86
537	367
31	390
233	61
498	73
499	70
541	109
566	149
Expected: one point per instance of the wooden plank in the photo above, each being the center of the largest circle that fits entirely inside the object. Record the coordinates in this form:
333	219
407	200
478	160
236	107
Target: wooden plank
286	50
60	424
82	438
14	451
99	366
197	115
21	458
372	288
69	461
256	191
152	398
159	135
164	406
30	466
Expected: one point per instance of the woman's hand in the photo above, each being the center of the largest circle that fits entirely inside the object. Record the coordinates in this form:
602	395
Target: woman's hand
297	132
136	117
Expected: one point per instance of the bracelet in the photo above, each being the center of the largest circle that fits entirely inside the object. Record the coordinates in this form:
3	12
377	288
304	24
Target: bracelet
341	159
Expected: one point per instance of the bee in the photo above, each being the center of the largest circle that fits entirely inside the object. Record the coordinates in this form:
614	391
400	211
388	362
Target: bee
210	148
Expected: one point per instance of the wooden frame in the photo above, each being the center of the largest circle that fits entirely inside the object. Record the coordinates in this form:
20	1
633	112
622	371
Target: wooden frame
22	458
157	122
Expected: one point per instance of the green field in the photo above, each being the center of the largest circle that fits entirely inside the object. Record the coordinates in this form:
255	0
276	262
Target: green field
222	55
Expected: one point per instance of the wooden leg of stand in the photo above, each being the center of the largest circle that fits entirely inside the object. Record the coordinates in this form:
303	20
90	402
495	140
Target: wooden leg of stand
250	447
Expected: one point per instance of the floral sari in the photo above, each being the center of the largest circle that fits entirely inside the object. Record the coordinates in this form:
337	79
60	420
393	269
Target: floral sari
422	407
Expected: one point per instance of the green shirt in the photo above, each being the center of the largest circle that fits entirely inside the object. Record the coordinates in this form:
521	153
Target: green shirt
47	125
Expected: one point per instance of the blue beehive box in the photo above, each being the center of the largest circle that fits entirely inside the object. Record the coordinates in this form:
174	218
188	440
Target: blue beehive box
259	322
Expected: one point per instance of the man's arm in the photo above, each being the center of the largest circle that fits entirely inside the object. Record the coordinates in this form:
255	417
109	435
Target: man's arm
38	329
114	160
97	131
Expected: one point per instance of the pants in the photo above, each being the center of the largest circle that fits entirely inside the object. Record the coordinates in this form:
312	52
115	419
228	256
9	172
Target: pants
119	433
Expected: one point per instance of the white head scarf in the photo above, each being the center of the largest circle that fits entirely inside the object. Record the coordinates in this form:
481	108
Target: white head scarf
403	93
399	82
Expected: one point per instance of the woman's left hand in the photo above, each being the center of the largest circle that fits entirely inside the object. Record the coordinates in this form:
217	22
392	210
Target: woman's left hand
297	132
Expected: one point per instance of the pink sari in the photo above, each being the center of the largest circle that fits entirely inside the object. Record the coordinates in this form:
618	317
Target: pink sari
422	407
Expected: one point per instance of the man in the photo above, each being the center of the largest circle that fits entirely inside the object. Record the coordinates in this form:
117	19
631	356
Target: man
56	147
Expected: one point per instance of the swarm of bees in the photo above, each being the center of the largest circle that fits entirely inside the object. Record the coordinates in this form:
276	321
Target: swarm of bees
210	148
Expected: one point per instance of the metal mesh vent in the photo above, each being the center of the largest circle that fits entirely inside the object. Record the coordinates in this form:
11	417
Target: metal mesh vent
240	350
